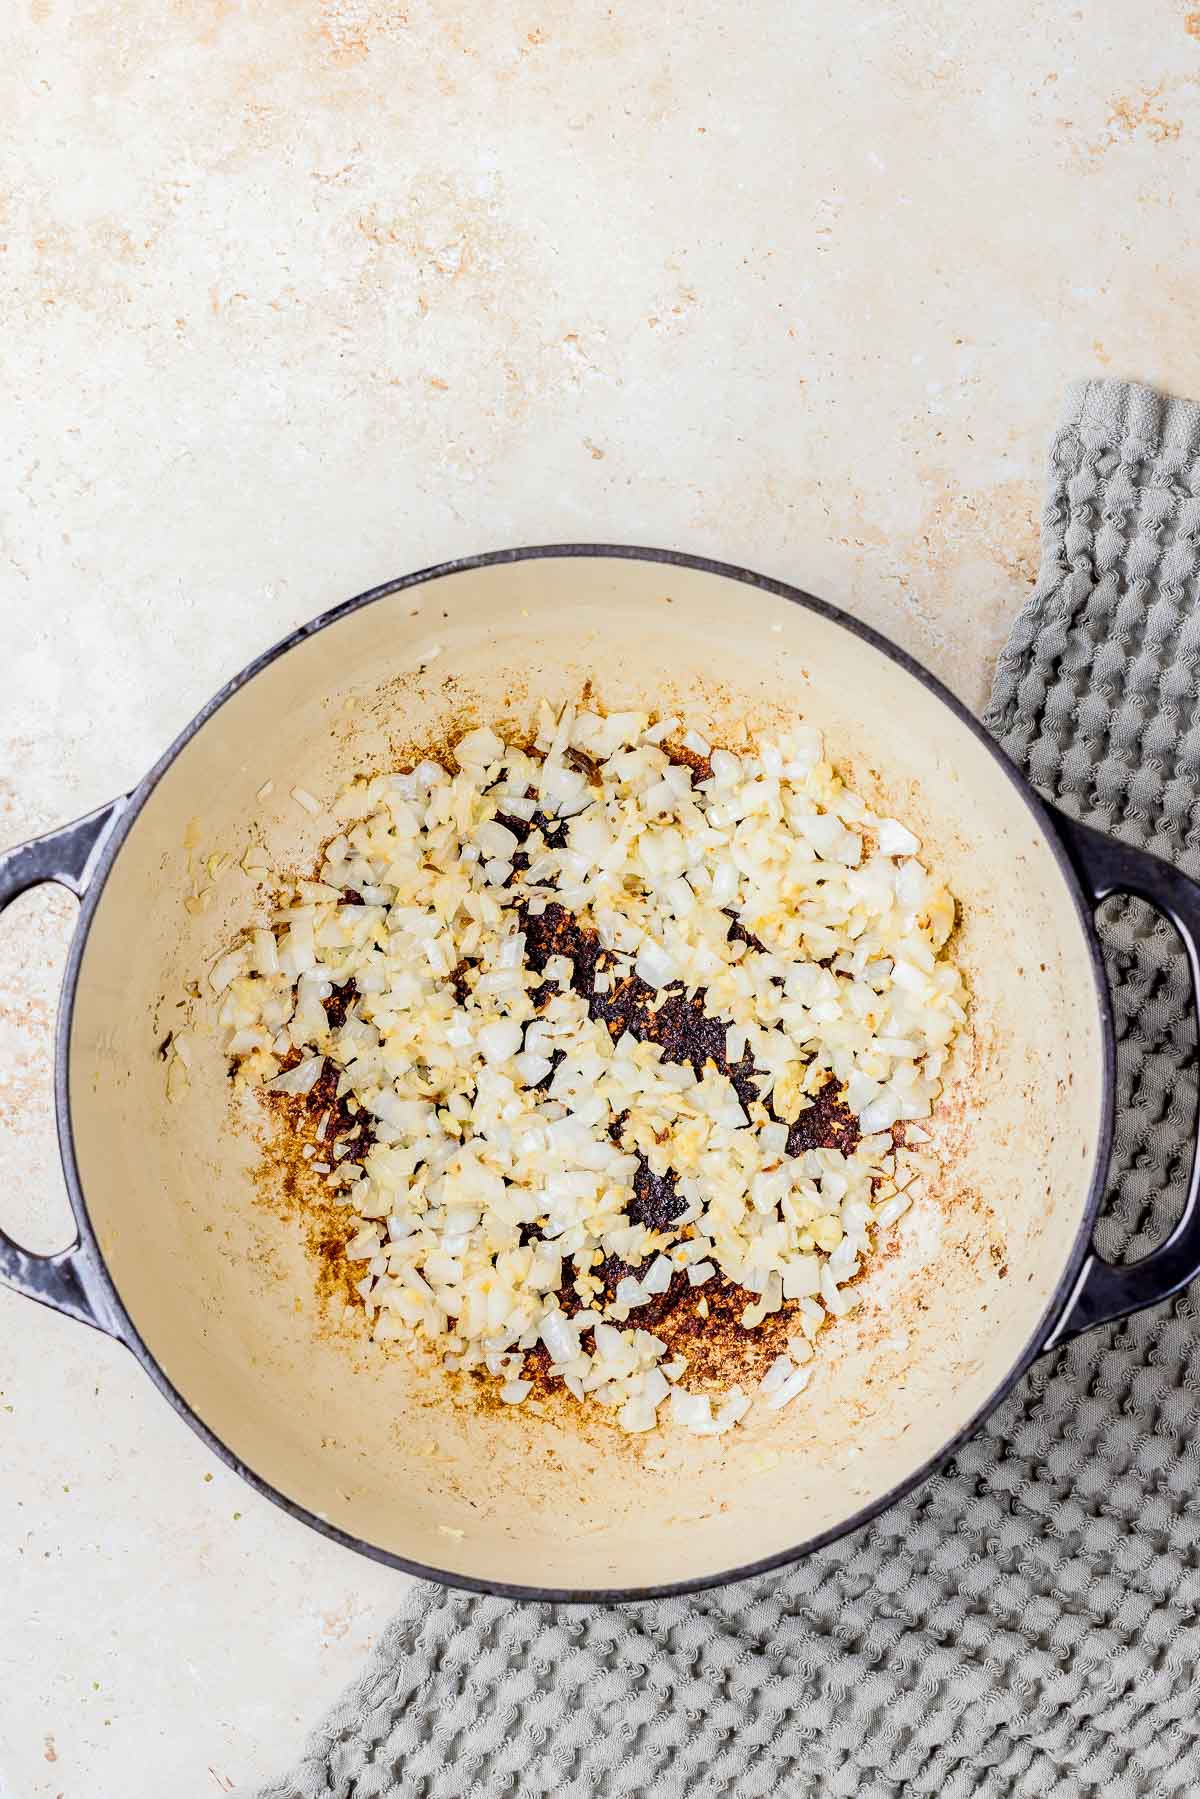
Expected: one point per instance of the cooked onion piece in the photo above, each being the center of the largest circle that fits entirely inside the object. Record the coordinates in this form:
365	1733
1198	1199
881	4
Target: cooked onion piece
462	963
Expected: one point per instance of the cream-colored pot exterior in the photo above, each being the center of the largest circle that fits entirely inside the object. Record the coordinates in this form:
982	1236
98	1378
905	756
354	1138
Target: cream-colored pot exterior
219	1284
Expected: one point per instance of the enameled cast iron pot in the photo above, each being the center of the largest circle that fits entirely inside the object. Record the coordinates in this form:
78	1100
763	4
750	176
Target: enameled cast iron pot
179	1255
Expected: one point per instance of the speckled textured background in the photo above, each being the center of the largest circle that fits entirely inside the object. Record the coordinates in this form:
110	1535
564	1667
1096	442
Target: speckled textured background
299	296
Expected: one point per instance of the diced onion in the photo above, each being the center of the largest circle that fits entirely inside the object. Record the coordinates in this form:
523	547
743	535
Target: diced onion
789	1388
500	1040
896	840
300	1079
505	1125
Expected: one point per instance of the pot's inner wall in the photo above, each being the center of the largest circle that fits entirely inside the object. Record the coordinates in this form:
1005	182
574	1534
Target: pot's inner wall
219	1281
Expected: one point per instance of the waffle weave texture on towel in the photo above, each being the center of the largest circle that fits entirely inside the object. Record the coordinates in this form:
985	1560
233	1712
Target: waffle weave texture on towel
1029	1622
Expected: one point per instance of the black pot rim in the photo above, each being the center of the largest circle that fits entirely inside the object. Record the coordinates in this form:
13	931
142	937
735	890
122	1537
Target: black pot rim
127	1330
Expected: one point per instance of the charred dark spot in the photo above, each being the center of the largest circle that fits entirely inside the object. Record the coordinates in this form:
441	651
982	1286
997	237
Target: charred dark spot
554	832
737	933
304	1112
701	767
583	765
667	1017
827	1124
655	1202
702	1323
339	1003
520	827
459	982
719	1349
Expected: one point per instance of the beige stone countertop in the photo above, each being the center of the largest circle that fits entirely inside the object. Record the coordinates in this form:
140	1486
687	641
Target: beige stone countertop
302	294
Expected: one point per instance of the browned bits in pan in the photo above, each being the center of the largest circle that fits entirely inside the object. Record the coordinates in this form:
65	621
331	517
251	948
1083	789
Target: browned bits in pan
827	1124
701	767
680	1025
289	1178
582	764
340	1002
720	1351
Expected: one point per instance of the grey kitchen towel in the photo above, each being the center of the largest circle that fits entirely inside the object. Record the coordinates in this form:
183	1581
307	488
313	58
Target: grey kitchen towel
1028	1623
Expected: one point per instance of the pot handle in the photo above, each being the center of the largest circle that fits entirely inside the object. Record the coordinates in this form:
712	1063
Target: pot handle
67	1280
1105	1291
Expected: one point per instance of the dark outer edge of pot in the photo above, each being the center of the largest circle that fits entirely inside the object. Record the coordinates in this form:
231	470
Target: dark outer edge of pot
128	1330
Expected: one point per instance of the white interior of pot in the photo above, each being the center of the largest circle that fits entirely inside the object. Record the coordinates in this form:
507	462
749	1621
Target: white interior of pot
219	1281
